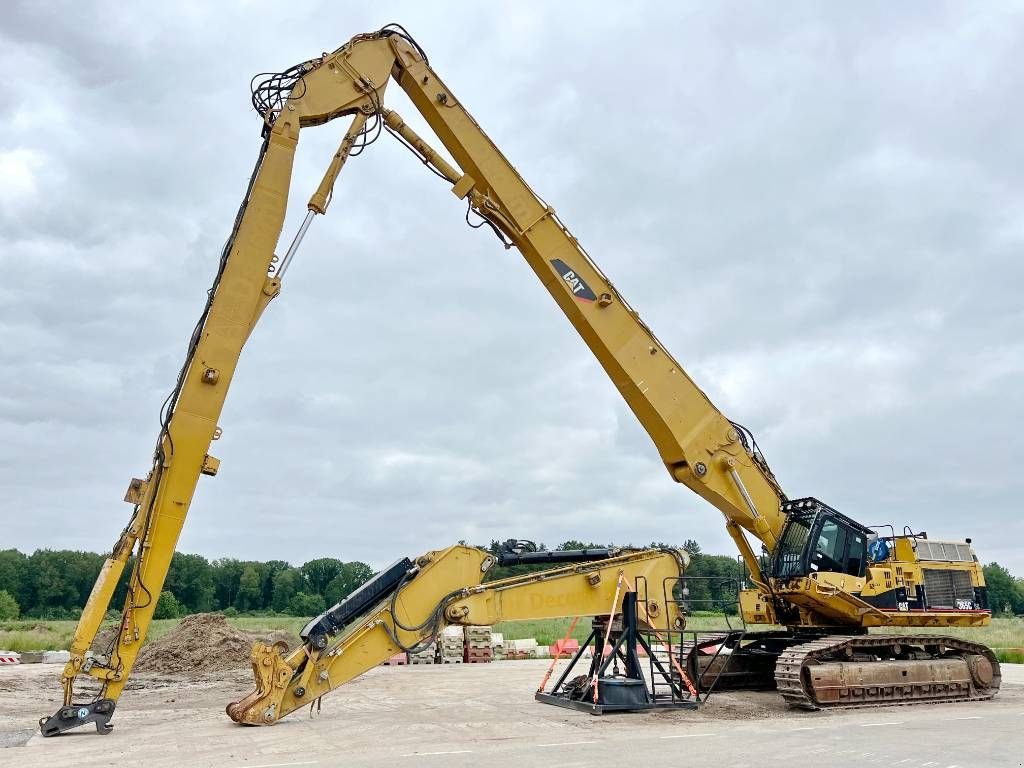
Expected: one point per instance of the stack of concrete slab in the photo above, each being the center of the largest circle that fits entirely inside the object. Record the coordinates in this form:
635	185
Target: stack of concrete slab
426	656
398	660
521	649
498	645
477	647
452	645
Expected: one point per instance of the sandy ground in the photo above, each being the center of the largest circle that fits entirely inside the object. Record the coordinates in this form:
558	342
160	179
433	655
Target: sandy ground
458	714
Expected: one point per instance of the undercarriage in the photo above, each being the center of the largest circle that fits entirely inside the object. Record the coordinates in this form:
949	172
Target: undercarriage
825	671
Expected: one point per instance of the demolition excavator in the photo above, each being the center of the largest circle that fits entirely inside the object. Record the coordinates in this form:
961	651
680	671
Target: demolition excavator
821	576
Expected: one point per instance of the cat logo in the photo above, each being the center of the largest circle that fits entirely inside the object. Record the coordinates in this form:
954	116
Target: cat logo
580	290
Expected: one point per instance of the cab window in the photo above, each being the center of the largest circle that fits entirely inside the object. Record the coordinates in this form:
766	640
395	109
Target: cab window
839	549
831	547
856	552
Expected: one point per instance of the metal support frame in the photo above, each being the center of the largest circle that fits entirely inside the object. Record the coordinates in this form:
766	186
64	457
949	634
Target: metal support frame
630	691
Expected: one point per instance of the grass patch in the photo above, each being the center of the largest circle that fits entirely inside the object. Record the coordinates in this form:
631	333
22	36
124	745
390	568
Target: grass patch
267	623
546	631
39	635
1004	635
36	635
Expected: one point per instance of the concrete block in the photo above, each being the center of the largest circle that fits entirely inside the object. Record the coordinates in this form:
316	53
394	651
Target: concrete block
514	655
527	644
478	654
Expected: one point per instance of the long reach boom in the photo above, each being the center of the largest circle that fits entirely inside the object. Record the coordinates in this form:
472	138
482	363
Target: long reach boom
819	574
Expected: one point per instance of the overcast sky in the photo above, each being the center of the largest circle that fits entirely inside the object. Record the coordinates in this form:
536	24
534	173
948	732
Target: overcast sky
817	207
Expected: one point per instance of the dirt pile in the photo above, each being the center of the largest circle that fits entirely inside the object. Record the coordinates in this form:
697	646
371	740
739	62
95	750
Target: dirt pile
277	636
203	642
103	643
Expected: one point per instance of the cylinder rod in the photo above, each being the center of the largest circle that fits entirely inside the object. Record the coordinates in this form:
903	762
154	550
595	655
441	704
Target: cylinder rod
287	260
428	154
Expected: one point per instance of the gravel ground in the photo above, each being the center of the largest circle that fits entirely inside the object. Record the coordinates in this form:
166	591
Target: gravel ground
401	712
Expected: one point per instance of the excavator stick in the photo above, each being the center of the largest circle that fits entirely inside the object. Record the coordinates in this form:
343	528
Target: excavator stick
438	589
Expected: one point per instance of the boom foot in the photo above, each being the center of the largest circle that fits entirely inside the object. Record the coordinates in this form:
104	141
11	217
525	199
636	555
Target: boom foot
76	715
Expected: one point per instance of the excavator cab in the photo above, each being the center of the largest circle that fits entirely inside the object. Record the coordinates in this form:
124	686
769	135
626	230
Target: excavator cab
818	538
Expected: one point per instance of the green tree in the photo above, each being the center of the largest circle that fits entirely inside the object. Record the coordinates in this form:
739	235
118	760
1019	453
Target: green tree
168	607
565	546
50	586
287	584
81	570
1005	594
694	590
227	573
305	604
14	575
190	578
8	605
318	573
353	575
121	590
250	589
691	547
268	572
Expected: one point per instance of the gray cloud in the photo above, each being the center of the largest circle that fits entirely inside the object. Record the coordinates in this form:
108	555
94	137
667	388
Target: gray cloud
817	208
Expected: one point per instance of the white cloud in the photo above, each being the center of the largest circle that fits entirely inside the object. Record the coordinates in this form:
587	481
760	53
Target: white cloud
19	169
816	208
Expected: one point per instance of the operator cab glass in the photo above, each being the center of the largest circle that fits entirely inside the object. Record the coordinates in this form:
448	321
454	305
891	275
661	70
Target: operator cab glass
818	538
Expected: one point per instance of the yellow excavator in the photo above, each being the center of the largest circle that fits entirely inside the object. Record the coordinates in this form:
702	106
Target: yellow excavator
821	576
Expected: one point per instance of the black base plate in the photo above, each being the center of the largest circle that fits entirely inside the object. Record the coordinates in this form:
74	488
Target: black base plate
599	709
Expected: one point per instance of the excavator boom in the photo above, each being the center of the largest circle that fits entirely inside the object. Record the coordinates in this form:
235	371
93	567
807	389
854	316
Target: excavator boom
825	570
439	589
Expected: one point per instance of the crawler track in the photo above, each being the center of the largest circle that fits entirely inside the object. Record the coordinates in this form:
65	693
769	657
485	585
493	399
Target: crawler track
845	672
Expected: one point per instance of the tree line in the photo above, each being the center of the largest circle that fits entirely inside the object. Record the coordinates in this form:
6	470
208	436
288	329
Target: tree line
54	584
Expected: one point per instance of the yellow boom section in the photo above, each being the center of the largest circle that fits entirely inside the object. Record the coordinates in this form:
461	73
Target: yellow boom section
447	590
699	446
